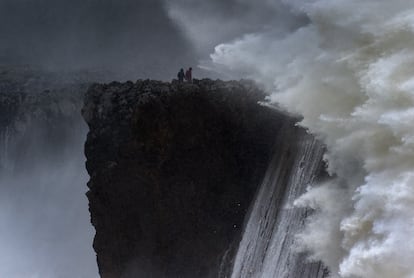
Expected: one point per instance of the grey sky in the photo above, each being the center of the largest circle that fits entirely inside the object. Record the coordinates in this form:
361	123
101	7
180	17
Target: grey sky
138	37
125	35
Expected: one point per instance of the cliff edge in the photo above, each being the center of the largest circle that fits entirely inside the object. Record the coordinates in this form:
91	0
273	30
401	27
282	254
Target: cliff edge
173	169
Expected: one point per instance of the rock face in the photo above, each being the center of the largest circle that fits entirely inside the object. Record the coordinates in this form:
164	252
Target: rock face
174	168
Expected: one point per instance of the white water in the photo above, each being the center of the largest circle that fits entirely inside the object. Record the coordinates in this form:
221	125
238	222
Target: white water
349	72
267	248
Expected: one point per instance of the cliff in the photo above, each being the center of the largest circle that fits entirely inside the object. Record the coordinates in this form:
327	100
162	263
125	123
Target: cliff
174	168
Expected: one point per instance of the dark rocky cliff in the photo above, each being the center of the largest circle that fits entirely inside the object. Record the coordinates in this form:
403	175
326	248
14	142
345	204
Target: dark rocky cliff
174	168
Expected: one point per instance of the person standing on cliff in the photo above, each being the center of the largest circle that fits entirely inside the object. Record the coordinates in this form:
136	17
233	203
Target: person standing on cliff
180	75
189	75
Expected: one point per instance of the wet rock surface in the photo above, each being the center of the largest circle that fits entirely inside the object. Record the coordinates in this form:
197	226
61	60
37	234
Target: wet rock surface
174	168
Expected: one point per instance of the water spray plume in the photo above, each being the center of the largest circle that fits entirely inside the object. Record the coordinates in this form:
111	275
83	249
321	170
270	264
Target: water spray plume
350	74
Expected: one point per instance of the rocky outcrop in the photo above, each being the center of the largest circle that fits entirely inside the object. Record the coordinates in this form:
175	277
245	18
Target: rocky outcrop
173	169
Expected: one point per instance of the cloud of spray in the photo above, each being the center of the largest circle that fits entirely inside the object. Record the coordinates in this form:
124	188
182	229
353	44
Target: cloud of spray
44	225
349	72
45	228
208	23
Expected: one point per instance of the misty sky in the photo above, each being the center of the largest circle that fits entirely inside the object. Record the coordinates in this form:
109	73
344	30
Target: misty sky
140	37
125	35
212	22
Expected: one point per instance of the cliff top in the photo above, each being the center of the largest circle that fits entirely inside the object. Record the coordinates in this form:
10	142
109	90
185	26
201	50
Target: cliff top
102	100
161	87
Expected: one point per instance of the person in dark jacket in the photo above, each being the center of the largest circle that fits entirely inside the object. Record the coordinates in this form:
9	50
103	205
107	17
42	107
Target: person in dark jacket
189	75
180	75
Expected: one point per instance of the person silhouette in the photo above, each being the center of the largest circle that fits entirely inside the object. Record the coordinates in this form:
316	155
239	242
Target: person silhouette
189	75
180	75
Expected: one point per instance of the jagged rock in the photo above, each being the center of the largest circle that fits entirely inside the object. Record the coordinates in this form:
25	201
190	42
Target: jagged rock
173	170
